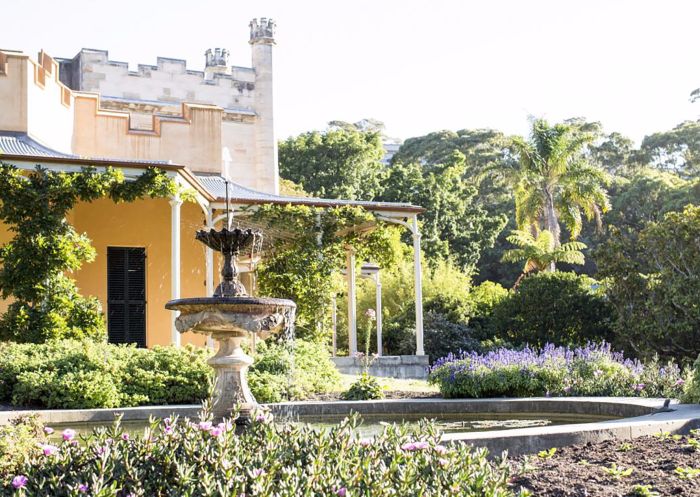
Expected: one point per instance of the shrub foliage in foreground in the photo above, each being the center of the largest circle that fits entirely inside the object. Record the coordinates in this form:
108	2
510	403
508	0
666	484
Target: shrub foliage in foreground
558	371
178	457
85	374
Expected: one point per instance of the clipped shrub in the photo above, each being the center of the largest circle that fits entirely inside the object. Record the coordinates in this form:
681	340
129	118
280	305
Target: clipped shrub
559	308
593	370
291	371
365	388
84	374
268	459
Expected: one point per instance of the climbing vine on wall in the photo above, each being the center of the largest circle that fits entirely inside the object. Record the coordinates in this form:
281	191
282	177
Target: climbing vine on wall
45	247
305	266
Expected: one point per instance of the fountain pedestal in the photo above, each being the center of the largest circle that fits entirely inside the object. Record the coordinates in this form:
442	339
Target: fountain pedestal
229	320
231	390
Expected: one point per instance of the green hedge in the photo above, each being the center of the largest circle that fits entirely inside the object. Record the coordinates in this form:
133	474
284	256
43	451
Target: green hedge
188	459
71	374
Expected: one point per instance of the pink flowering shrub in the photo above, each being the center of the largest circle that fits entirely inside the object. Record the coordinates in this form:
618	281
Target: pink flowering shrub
268	459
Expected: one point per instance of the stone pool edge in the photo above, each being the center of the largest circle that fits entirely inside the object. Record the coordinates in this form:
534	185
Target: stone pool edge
637	417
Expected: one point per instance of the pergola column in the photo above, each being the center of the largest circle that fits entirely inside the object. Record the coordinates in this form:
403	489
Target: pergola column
175	204
334	320
418	285
352	302
378	300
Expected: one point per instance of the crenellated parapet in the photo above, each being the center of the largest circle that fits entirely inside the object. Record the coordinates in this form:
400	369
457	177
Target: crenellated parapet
262	31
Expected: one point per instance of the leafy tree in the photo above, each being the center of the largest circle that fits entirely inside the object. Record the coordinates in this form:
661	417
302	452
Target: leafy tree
303	266
338	163
555	181
455	223
541	253
676	150
614	152
45	301
653	284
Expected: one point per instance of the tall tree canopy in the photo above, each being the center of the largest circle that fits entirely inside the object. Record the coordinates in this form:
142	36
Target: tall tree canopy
676	150
555	181
455	223
337	163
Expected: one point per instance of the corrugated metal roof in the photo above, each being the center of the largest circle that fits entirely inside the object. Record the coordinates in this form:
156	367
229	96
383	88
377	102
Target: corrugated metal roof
15	143
216	185
12	143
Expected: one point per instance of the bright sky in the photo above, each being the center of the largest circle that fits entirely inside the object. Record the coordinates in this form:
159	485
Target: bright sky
419	66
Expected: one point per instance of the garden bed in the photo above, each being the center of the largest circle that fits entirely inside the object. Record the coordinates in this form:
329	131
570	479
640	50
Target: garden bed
584	470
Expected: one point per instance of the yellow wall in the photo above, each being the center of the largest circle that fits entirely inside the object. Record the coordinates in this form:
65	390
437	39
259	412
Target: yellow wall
144	223
5	236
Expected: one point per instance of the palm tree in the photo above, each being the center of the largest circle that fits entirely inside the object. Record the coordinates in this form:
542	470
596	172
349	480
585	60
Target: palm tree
554	180
542	253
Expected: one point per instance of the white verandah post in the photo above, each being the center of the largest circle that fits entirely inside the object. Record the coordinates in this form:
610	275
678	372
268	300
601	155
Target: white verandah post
418	285
378	299
175	204
352	304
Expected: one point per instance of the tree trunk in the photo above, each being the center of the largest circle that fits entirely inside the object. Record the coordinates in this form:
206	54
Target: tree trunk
551	222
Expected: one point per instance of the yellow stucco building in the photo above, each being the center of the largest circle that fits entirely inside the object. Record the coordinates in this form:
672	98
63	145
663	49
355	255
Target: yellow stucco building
202	127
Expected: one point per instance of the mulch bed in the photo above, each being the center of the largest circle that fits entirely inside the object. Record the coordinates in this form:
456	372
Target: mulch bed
579	471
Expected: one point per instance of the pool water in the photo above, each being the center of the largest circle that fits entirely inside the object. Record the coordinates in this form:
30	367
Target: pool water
372	425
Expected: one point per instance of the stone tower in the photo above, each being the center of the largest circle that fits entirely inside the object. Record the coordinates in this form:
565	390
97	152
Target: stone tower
262	40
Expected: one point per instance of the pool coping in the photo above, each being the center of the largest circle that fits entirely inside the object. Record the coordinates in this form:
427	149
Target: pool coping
635	417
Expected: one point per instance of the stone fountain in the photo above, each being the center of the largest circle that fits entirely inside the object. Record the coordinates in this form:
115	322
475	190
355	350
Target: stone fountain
229	317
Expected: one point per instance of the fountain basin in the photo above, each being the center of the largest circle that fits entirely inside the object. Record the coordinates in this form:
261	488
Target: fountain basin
235	316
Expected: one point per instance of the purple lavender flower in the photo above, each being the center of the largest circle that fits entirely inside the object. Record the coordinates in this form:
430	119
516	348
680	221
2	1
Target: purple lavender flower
216	431
257	472
82	488
205	425
125	437
48	430
341	492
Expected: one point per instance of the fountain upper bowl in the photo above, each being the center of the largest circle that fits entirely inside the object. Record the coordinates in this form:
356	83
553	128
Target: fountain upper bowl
249	305
233	316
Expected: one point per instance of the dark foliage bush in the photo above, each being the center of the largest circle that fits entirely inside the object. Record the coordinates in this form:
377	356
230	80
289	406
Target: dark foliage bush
450	323
559	308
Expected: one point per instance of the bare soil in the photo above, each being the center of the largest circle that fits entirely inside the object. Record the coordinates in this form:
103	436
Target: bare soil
580	471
